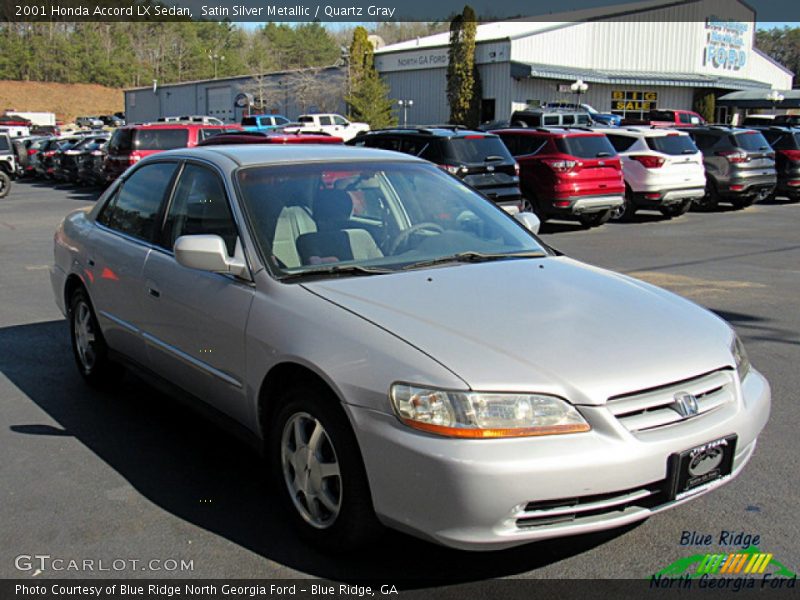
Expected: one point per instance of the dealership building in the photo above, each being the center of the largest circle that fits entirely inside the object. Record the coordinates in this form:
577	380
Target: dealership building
632	58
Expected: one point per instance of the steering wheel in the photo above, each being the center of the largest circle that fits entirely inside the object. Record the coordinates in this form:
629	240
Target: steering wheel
404	236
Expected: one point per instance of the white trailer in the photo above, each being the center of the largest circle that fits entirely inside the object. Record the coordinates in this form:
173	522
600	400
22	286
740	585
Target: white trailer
36	118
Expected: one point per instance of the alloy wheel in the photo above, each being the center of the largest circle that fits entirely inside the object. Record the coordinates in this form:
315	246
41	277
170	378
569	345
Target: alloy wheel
83	327
311	470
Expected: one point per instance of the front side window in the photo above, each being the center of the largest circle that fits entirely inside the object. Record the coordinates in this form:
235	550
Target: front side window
199	206
337	120
311	218
134	209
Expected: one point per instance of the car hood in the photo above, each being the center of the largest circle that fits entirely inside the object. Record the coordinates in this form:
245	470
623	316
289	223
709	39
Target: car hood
549	325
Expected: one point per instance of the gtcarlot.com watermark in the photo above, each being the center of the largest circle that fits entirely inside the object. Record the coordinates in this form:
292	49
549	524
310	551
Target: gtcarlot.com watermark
43	563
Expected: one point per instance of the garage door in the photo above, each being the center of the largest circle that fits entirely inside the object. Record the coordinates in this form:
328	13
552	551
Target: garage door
219	103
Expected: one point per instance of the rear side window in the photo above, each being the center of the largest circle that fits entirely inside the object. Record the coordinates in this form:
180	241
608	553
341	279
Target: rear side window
207	132
249	122
477	149
586	146
4	145
705	141
522	145
305	120
133	210
662	115
672	144
161	139
749	140
621	142
121	142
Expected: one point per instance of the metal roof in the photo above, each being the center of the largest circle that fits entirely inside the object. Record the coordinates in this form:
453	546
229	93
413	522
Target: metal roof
758	99
523	70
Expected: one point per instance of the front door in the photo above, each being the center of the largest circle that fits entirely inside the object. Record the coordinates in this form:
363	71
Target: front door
196	328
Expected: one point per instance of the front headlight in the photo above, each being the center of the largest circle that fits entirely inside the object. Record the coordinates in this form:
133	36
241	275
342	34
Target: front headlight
481	415
740	357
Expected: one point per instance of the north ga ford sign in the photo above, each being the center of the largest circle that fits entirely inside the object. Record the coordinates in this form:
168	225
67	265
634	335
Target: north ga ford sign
725	44
418	60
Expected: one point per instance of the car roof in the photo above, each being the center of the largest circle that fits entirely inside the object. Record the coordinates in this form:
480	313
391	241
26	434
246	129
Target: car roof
246	155
177	125
446	131
553	131
644	131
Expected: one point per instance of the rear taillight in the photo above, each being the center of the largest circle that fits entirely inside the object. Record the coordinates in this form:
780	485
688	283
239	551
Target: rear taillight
561	165
791	155
31	151
452	169
49	153
647	161
734	156
737	187
516	169
133	159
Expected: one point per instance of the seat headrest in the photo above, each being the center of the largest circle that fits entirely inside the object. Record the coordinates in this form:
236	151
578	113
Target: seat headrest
332	205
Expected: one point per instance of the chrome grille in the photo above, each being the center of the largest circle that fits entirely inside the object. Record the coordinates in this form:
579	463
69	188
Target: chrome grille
655	408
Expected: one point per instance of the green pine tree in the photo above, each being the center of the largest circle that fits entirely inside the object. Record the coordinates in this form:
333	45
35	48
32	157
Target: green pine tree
367	99
462	94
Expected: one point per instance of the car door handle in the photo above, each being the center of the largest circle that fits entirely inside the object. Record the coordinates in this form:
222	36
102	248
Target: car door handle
153	292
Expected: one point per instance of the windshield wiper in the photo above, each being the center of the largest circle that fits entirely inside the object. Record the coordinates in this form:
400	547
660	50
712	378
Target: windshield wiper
337	270
472	257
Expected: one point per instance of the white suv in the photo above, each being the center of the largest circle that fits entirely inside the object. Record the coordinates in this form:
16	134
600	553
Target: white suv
663	170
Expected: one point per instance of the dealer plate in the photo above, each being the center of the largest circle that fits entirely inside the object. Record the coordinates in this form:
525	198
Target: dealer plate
701	465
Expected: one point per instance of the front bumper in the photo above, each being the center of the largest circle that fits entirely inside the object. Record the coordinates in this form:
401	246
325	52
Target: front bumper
493	494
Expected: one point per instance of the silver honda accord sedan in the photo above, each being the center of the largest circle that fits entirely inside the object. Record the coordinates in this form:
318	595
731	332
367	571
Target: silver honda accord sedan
403	352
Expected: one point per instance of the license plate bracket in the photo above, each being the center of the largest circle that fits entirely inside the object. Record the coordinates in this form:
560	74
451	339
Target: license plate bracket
700	465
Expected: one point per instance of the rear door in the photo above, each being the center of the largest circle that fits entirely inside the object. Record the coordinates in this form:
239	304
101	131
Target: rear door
119	244
196	320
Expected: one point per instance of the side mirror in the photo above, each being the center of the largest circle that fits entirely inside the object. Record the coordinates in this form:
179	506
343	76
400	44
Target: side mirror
529	220
207	253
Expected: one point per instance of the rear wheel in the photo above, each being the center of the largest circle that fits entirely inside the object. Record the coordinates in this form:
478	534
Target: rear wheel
744	202
626	210
5	184
710	200
595	219
676	210
531	204
88	345
319	472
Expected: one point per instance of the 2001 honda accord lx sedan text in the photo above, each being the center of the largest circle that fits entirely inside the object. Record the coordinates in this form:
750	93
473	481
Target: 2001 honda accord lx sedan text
405	352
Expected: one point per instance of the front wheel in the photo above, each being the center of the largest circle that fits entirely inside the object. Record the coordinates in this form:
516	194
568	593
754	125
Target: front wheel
319	472
595	219
5	184
676	210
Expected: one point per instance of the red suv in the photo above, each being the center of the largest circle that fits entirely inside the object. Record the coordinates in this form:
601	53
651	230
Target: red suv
132	143
567	172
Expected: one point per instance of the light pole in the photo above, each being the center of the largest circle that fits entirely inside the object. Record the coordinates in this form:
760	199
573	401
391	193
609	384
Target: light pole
578	88
406	104
775	97
215	58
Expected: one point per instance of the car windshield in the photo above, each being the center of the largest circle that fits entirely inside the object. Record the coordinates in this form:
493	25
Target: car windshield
586	146
323	219
750	140
472	149
672	144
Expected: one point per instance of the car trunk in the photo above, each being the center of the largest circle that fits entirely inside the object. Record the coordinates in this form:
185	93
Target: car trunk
484	160
597	171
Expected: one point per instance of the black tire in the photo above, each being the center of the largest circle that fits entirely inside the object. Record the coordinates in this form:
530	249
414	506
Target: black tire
532	205
354	524
5	184
711	199
595	219
627	210
96	368
743	202
676	210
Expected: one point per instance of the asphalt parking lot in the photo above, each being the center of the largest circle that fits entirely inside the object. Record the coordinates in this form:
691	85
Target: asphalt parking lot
130	475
